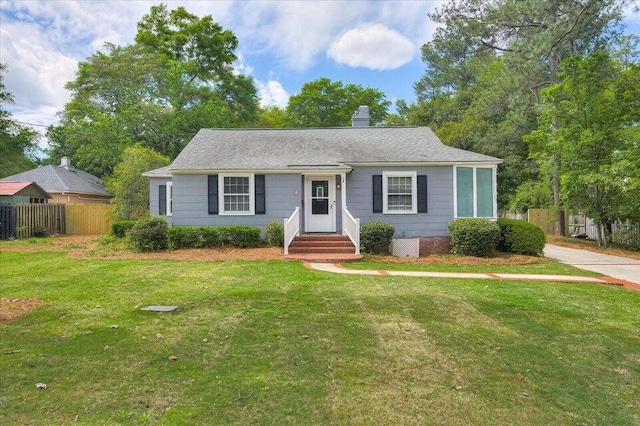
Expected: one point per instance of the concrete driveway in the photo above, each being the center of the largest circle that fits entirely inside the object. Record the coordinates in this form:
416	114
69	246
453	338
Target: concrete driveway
622	268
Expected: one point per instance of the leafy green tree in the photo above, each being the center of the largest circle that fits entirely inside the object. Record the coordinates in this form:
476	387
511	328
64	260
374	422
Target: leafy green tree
130	188
177	78
272	117
18	144
326	103
590	122
486	66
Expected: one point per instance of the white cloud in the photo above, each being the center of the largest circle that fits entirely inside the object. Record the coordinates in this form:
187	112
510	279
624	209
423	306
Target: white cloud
372	46
37	72
292	32
272	93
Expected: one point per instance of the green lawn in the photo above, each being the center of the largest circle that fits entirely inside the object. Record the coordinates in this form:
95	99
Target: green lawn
273	343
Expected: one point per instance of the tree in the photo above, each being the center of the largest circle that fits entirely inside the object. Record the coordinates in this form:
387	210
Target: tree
325	103
131	190
18	144
176	79
591	121
272	117
486	66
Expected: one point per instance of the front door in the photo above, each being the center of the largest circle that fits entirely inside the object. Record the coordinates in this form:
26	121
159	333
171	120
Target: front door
320	204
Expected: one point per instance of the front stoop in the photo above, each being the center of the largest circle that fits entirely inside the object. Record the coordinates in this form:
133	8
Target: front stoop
322	249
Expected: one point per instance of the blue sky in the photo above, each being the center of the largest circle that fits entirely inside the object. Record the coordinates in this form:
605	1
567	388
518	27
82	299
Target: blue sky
282	44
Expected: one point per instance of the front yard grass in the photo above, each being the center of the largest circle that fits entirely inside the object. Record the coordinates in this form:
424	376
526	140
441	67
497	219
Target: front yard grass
275	343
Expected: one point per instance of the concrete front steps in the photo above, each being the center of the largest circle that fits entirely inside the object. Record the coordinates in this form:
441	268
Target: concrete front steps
322	248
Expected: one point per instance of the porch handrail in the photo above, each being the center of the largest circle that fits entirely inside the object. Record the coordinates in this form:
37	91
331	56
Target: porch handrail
291	229
351	228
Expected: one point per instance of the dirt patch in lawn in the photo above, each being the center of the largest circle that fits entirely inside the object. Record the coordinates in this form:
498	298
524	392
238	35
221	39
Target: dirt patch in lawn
11	309
455	259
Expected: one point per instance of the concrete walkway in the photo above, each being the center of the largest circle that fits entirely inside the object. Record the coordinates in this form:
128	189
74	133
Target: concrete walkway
622	268
616	270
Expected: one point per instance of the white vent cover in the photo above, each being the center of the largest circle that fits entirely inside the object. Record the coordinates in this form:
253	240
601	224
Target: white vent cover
405	247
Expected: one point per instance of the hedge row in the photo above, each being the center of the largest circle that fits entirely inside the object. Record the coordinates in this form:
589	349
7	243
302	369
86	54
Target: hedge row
480	237
209	236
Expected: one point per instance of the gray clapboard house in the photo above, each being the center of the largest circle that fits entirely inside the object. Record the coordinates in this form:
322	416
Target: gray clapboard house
326	180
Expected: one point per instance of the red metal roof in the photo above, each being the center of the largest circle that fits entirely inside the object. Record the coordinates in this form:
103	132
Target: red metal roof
9	187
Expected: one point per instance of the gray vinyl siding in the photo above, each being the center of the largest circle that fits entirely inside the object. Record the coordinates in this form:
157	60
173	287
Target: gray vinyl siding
154	186
190	208
439	201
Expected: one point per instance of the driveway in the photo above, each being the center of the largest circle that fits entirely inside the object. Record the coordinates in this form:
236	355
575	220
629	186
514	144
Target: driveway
622	268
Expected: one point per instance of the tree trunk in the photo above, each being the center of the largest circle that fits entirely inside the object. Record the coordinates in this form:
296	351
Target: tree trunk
557	161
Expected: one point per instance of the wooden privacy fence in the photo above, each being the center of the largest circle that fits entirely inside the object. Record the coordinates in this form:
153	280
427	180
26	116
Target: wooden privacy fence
29	220
87	219
544	218
39	220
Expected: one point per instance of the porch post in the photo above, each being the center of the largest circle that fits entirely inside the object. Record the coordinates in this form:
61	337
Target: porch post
343	194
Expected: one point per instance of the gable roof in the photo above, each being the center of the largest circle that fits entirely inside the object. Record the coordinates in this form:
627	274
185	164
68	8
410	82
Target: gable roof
58	179
10	188
322	148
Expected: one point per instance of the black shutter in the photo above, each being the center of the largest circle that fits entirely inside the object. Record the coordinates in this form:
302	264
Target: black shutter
422	194
213	194
260	194
162	200
377	193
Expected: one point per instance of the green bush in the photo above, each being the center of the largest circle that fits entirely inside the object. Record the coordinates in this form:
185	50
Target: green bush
375	237
242	236
193	237
474	236
274	234
122	227
518	236
149	234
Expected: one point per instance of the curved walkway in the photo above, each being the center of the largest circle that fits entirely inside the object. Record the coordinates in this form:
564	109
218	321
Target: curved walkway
339	269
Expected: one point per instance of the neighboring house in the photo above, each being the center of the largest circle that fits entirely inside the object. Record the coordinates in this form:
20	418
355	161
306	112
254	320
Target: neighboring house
403	176
14	192
65	184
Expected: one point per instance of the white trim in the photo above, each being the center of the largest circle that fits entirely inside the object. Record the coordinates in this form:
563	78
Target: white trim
221	194
169	198
423	163
494	190
296	171
414	192
307	205
343	189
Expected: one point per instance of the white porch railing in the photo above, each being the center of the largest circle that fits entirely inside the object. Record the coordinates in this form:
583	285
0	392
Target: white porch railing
291	229
351	228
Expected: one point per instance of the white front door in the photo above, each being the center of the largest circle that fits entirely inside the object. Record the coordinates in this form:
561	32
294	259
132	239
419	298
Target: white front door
320	204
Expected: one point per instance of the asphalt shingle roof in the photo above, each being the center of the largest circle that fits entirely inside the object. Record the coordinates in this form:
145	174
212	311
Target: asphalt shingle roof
57	179
335	148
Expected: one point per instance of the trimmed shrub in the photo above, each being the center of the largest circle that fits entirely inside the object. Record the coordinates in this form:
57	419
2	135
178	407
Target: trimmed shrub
518	236
375	237
274	234
474	236
149	235
122	227
193	237
241	235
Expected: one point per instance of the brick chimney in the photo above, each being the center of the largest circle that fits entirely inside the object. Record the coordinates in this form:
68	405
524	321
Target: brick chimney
361	117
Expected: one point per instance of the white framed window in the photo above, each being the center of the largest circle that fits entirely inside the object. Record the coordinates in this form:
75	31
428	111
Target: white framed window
399	193
169	198
475	191
236	192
